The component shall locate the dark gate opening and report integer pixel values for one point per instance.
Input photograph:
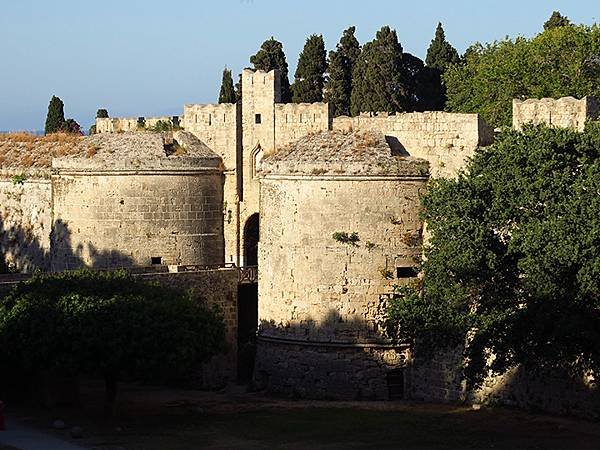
(395, 382)
(251, 233)
(246, 331)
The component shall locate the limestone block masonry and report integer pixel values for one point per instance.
(565, 112)
(117, 209)
(322, 299)
(25, 223)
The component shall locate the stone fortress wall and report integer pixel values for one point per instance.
(123, 124)
(444, 139)
(565, 112)
(106, 220)
(242, 135)
(25, 222)
(321, 300)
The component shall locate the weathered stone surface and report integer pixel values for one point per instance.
(321, 299)
(565, 112)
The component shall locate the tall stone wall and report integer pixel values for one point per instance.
(446, 140)
(565, 112)
(125, 219)
(217, 126)
(295, 120)
(25, 223)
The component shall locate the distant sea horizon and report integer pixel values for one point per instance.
(36, 132)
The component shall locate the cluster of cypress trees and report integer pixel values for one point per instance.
(378, 76)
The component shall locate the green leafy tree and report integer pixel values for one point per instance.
(227, 93)
(310, 72)
(513, 266)
(377, 82)
(106, 324)
(270, 56)
(102, 114)
(338, 87)
(561, 61)
(56, 116)
(556, 20)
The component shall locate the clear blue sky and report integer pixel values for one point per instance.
(147, 57)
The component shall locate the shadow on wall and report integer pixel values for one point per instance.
(21, 251)
(396, 146)
(332, 358)
(440, 379)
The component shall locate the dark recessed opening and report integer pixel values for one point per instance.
(395, 382)
(406, 272)
(156, 260)
(257, 118)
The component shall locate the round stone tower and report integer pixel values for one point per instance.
(339, 228)
(136, 199)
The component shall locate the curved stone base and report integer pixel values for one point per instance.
(328, 370)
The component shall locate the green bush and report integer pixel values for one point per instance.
(106, 324)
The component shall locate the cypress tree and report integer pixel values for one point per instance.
(310, 72)
(238, 89)
(556, 20)
(338, 87)
(377, 79)
(227, 94)
(56, 116)
(440, 53)
(102, 114)
(270, 56)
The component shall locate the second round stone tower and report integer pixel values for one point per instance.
(340, 227)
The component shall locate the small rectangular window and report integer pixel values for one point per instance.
(406, 272)
(210, 119)
(156, 260)
(257, 118)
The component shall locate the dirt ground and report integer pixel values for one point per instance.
(172, 419)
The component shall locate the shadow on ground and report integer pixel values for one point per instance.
(153, 419)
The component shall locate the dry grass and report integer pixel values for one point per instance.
(26, 150)
(91, 150)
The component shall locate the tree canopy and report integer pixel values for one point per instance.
(55, 119)
(440, 53)
(513, 266)
(556, 20)
(102, 113)
(270, 56)
(310, 72)
(227, 93)
(377, 82)
(338, 87)
(106, 324)
(561, 61)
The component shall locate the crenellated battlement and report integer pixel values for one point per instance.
(565, 112)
